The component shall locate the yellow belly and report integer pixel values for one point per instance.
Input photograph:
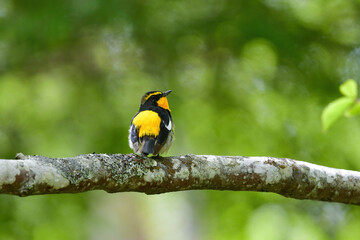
(148, 123)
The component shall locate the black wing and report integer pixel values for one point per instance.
(134, 134)
(164, 133)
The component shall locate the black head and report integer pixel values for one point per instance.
(155, 98)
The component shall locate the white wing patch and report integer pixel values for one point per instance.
(168, 126)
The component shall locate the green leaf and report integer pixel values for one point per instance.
(349, 89)
(334, 110)
(354, 110)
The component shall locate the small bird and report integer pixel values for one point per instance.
(152, 128)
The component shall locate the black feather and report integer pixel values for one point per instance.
(164, 132)
(148, 144)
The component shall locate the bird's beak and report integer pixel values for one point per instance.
(166, 93)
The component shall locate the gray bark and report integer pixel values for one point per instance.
(30, 175)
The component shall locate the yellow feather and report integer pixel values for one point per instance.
(152, 94)
(162, 102)
(148, 123)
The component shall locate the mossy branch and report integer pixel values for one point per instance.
(30, 175)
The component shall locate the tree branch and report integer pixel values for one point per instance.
(32, 175)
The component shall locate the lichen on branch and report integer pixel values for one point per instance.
(30, 175)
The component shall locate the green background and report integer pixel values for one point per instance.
(248, 78)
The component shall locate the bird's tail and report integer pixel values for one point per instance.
(148, 144)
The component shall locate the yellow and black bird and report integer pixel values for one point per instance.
(152, 128)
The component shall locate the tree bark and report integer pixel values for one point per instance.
(31, 175)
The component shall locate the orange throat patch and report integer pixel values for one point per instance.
(162, 102)
(148, 123)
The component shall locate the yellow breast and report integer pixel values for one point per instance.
(148, 123)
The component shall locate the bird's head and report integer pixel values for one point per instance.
(156, 98)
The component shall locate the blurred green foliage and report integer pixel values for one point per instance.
(248, 78)
(347, 105)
